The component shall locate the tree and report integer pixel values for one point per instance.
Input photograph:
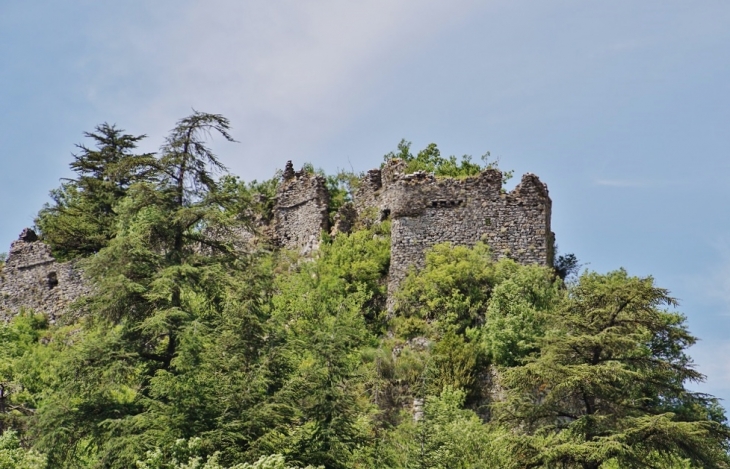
(447, 436)
(609, 384)
(323, 315)
(14, 456)
(185, 458)
(81, 220)
(27, 367)
(158, 284)
(453, 290)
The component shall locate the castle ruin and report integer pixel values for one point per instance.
(33, 280)
(424, 210)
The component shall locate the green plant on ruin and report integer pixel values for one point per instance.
(430, 160)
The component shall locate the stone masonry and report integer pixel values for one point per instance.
(426, 210)
(32, 279)
(301, 210)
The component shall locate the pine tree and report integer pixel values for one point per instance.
(609, 384)
(159, 284)
(81, 220)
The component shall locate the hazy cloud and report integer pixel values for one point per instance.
(288, 74)
(638, 183)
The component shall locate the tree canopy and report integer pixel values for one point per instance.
(81, 220)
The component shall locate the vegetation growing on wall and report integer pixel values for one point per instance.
(430, 160)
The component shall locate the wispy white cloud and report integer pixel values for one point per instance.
(288, 74)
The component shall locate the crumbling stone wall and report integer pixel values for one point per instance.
(301, 210)
(32, 279)
(426, 210)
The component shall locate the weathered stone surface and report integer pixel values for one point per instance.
(426, 210)
(301, 210)
(32, 279)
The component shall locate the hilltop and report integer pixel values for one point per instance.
(166, 314)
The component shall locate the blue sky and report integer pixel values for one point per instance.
(622, 108)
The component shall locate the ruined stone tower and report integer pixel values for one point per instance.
(426, 210)
(301, 210)
(32, 279)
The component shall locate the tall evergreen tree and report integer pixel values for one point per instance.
(609, 384)
(81, 219)
(157, 284)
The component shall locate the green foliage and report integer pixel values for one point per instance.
(252, 200)
(448, 437)
(81, 220)
(325, 311)
(516, 312)
(461, 288)
(476, 311)
(185, 455)
(14, 456)
(198, 355)
(28, 366)
(452, 290)
(455, 361)
(341, 187)
(157, 282)
(608, 383)
(430, 160)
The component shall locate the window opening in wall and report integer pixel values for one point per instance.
(447, 203)
(52, 280)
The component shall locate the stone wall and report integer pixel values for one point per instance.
(301, 210)
(426, 210)
(32, 279)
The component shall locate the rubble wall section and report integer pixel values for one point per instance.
(301, 210)
(426, 211)
(32, 279)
